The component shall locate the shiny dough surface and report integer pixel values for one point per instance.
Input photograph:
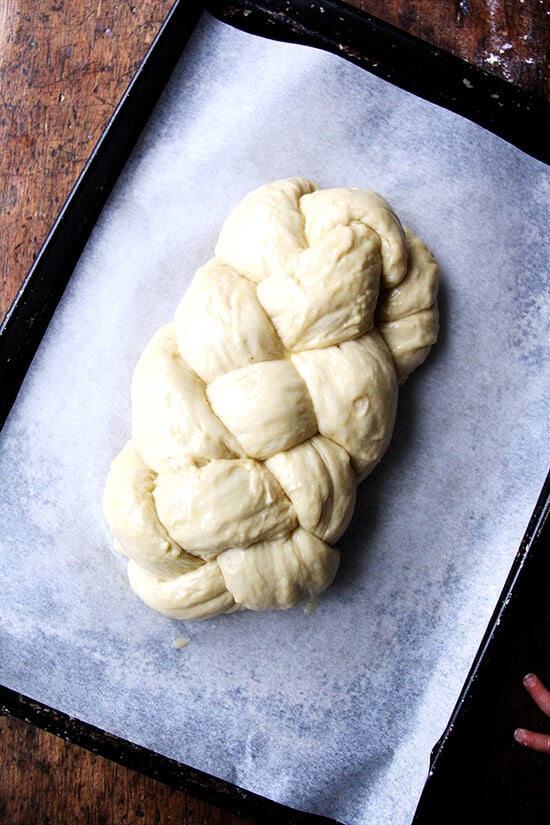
(267, 399)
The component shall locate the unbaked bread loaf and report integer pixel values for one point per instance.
(272, 393)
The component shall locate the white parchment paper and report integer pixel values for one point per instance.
(333, 712)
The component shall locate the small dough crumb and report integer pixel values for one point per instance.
(181, 642)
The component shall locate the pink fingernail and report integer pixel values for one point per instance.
(519, 736)
(529, 680)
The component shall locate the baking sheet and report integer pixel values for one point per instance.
(333, 712)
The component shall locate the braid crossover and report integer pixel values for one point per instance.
(268, 398)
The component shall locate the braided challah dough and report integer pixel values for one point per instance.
(273, 392)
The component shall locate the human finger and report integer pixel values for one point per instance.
(535, 741)
(538, 692)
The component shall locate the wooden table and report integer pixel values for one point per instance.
(63, 69)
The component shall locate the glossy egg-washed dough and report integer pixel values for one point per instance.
(272, 393)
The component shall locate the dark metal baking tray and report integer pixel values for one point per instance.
(475, 775)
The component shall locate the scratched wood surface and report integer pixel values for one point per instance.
(63, 68)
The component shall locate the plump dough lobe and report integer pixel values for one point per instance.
(207, 509)
(354, 391)
(172, 422)
(130, 509)
(279, 574)
(220, 324)
(266, 406)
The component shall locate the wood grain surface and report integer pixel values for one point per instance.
(63, 68)
(507, 39)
